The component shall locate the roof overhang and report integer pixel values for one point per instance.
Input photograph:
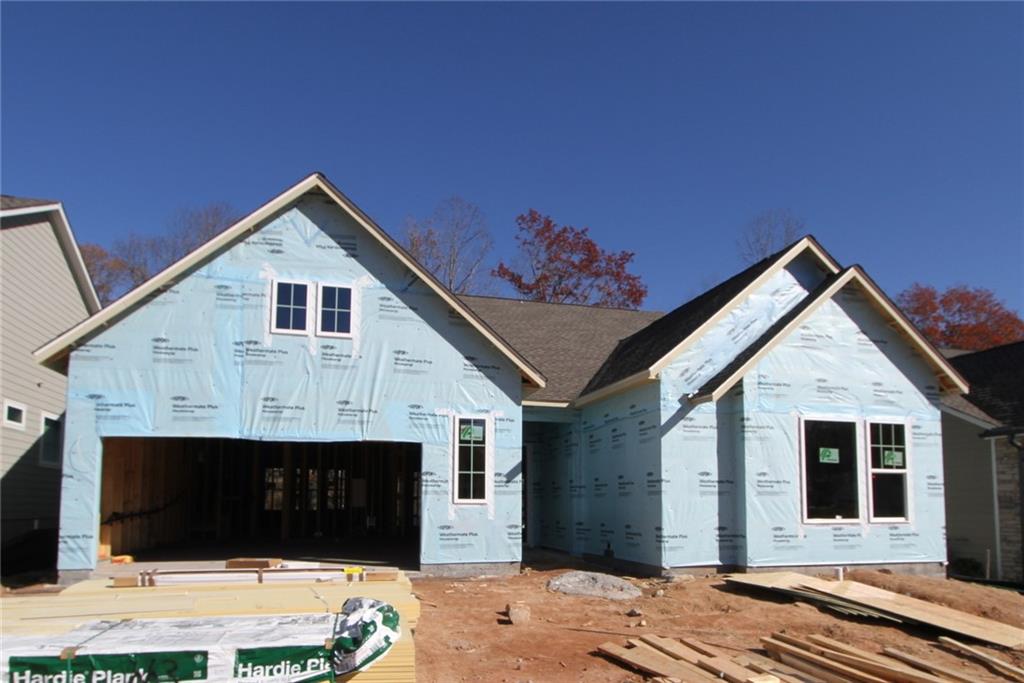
(949, 378)
(53, 351)
(66, 239)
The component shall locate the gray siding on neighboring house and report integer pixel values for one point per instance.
(970, 508)
(39, 298)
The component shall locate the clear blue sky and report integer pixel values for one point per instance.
(895, 130)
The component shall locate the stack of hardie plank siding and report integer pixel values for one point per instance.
(858, 599)
(55, 618)
(811, 659)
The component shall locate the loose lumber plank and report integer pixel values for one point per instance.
(718, 665)
(928, 665)
(785, 674)
(817, 673)
(994, 663)
(924, 612)
(697, 673)
(647, 660)
(842, 671)
(881, 665)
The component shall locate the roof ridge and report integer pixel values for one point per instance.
(557, 303)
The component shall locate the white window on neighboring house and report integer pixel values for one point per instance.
(887, 453)
(830, 471)
(470, 460)
(290, 306)
(50, 441)
(334, 311)
(15, 414)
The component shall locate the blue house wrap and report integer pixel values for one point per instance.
(715, 435)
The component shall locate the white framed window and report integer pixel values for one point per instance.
(335, 310)
(830, 470)
(51, 429)
(888, 491)
(15, 414)
(290, 306)
(471, 461)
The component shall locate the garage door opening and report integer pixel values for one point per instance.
(208, 499)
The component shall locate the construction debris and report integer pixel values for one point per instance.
(994, 663)
(858, 599)
(594, 584)
(518, 613)
(685, 660)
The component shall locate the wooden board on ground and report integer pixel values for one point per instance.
(994, 663)
(647, 660)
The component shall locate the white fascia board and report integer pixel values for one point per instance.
(546, 404)
(793, 324)
(807, 243)
(959, 414)
(167, 277)
(25, 210)
(623, 384)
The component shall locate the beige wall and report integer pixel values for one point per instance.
(38, 299)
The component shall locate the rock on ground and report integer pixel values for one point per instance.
(594, 584)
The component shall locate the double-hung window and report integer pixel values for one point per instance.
(290, 307)
(470, 460)
(335, 311)
(888, 468)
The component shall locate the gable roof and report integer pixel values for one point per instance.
(11, 207)
(316, 182)
(10, 202)
(717, 386)
(644, 354)
(997, 381)
(566, 342)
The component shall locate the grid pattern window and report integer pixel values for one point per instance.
(830, 470)
(50, 441)
(888, 453)
(335, 311)
(291, 303)
(471, 460)
(14, 414)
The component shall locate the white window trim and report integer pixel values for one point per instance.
(488, 461)
(24, 414)
(42, 432)
(352, 310)
(858, 428)
(310, 303)
(905, 471)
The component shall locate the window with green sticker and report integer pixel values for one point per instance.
(471, 459)
(830, 470)
(888, 446)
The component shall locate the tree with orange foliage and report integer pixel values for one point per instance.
(962, 317)
(562, 264)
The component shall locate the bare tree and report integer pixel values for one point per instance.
(452, 243)
(135, 258)
(768, 232)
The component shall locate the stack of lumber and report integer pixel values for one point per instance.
(858, 599)
(825, 659)
(97, 599)
(695, 662)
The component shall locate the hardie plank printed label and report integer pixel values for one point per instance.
(111, 668)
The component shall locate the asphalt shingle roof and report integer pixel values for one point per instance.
(996, 377)
(11, 202)
(566, 342)
(649, 345)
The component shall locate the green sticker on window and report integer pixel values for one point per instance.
(892, 458)
(471, 432)
(828, 455)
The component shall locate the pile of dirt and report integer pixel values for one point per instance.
(465, 635)
(594, 584)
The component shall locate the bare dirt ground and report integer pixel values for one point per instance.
(463, 634)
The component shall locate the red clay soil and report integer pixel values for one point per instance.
(463, 634)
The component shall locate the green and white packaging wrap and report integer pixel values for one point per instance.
(367, 629)
(303, 648)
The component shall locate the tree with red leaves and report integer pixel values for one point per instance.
(562, 264)
(962, 317)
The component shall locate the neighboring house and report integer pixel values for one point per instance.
(44, 290)
(300, 376)
(983, 439)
